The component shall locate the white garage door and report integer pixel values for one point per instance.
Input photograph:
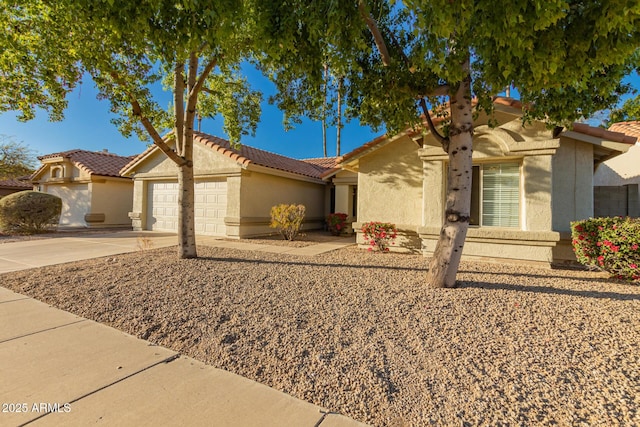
(210, 206)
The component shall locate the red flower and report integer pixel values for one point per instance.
(634, 247)
(601, 259)
(633, 266)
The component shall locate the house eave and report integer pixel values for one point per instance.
(252, 167)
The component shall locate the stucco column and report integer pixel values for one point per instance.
(137, 214)
(343, 200)
(433, 169)
(537, 210)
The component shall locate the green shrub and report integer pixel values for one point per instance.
(378, 235)
(337, 222)
(29, 212)
(287, 219)
(609, 244)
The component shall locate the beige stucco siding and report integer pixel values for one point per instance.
(390, 185)
(76, 202)
(621, 170)
(114, 199)
(259, 192)
(572, 183)
(205, 162)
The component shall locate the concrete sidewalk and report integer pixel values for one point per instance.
(60, 369)
(58, 250)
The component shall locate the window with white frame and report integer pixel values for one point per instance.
(495, 195)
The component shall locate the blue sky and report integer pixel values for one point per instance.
(87, 125)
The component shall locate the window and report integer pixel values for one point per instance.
(495, 195)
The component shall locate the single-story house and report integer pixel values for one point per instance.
(89, 183)
(234, 188)
(617, 181)
(529, 183)
(13, 185)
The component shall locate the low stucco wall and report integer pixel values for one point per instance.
(534, 247)
(111, 200)
(258, 192)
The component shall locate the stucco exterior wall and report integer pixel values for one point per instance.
(260, 191)
(76, 202)
(572, 184)
(205, 162)
(390, 184)
(111, 202)
(621, 170)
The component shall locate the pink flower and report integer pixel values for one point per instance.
(633, 266)
(634, 247)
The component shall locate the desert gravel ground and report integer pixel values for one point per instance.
(359, 333)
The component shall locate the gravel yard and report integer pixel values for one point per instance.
(360, 334)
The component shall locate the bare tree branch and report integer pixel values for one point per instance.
(442, 90)
(178, 101)
(205, 73)
(151, 130)
(375, 32)
(441, 139)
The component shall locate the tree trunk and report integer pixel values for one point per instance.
(324, 110)
(186, 218)
(443, 267)
(339, 122)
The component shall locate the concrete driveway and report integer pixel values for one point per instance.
(57, 250)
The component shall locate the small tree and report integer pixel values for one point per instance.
(29, 212)
(287, 219)
(16, 159)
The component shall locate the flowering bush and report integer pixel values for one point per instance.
(378, 235)
(337, 222)
(609, 244)
(287, 219)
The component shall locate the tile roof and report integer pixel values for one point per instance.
(93, 162)
(323, 162)
(628, 128)
(20, 182)
(247, 155)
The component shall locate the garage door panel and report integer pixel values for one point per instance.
(210, 206)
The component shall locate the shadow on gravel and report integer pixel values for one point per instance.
(310, 264)
(547, 276)
(551, 290)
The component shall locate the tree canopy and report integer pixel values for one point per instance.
(627, 112)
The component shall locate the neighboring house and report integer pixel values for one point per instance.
(89, 183)
(529, 184)
(13, 185)
(617, 180)
(234, 189)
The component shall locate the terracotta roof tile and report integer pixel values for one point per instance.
(246, 155)
(323, 162)
(94, 162)
(598, 132)
(628, 128)
(21, 182)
